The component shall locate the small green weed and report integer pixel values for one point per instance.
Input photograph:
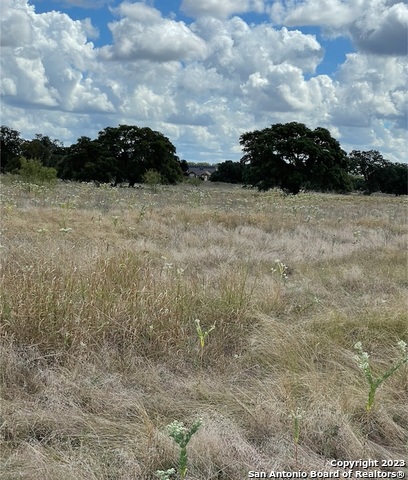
(281, 270)
(296, 417)
(181, 435)
(363, 362)
(202, 335)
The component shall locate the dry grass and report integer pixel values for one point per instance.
(100, 288)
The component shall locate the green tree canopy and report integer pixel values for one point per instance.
(395, 179)
(292, 156)
(379, 174)
(44, 149)
(86, 161)
(229, 171)
(10, 149)
(137, 150)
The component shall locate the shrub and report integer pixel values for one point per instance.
(152, 178)
(32, 171)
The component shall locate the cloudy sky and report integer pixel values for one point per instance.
(203, 72)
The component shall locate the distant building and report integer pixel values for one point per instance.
(204, 173)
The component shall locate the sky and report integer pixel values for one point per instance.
(203, 72)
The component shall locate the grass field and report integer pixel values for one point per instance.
(100, 292)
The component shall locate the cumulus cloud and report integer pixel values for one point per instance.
(48, 67)
(375, 26)
(15, 24)
(383, 31)
(379, 136)
(142, 33)
(146, 104)
(284, 89)
(197, 79)
(371, 88)
(222, 10)
(331, 13)
(239, 49)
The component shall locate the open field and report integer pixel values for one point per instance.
(100, 290)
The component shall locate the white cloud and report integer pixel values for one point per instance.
(284, 89)
(379, 136)
(333, 13)
(371, 88)
(239, 49)
(382, 30)
(220, 9)
(15, 24)
(142, 33)
(49, 66)
(52, 122)
(90, 31)
(375, 26)
(196, 79)
(145, 104)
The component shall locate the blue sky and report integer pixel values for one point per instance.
(203, 71)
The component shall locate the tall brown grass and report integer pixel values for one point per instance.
(100, 290)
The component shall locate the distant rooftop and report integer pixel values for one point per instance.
(201, 170)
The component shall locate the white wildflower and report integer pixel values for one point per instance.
(403, 347)
(362, 358)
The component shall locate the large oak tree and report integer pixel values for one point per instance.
(138, 150)
(292, 156)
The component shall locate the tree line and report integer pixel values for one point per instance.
(293, 157)
(288, 156)
(121, 154)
